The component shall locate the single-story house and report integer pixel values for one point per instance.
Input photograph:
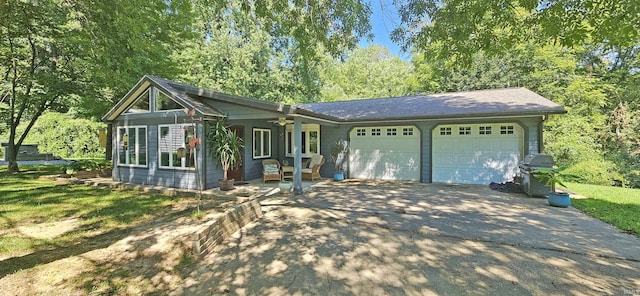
(473, 137)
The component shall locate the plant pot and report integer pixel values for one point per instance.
(559, 199)
(285, 186)
(226, 185)
(338, 176)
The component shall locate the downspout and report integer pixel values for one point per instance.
(540, 135)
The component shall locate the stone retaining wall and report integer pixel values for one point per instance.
(216, 231)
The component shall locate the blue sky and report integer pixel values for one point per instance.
(383, 20)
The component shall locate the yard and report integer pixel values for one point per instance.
(617, 206)
(95, 238)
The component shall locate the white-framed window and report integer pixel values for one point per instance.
(165, 103)
(142, 103)
(261, 143)
(464, 130)
(132, 145)
(407, 131)
(361, 132)
(173, 146)
(445, 131)
(484, 130)
(506, 130)
(310, 140)
(392, 131)
(375, 131)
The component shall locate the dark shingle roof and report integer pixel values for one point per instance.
(495, 102)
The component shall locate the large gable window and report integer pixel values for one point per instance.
(141, 105)
(261, 143)
(132, 145)
(164, 102)
(173, 146)
(310, 140)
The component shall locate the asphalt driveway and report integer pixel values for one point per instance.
(377, 238)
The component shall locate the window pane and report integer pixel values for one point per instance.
(165, 146)
(304, 142)
(313, 142)
(257, 143)
(289, 143)
(266, 143)
(123, 145)
(142, 146)
(190, 158)
(132, 145)
(163, 102)
(164, 158)
(141, 105)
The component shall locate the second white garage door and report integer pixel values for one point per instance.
(385, 153)
(476, 153)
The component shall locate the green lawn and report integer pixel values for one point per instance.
(614, 205)
(27, 201)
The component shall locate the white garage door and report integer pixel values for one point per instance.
(476, 153)
(385, 153)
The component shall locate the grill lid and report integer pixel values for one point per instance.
(538, 160)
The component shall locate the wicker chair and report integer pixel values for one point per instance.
(271, 170)
(312, 172)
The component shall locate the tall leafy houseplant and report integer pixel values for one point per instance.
(226, 147)
(551, 177)
(338, 156)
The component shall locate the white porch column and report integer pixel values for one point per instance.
(297, 155)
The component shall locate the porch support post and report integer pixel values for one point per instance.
(297, 155)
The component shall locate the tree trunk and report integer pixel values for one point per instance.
(12, 157)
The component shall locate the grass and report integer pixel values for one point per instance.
(28, 201)
(617, 206)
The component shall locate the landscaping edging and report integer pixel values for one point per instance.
(216, 231)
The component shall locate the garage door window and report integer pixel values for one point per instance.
(445, 131)
(465, 130)
(375, 131)
(485, 130)
(407, 131)
(361, 132)
(506, 130)
(391, 132)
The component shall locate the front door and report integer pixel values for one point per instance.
(236, 173)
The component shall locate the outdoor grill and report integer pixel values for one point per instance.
(532, 185)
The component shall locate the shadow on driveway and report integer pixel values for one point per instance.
(377, 238)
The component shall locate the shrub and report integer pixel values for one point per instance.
(596, 171)
(87, 165)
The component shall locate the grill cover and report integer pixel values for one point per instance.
(533, 161)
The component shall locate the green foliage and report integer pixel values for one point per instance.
(87, 165)
(463, 28)
(553, 177)
(338, 154)
(67, 137)
(224, 145)
(370, 72)
(596, 171)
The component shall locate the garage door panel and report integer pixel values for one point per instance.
(476, 158)
(383, 156)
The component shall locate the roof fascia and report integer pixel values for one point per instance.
(132, 94)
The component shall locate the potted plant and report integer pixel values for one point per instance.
(551, 177)
(225, 147)
(338, 156)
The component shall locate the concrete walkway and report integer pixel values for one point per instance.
(419, 239)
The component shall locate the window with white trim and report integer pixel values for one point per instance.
(310, 140)
(506, 130)
(445, 131)
(484, 130)
(375, 131)
(141, 104)
(361, 132)
(261, 143)
(173, 146)
(464, 130)
(132, 145)
(392, 131)
(407, 131)
(164, 102)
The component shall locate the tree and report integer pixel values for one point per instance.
(462, 27)
(367, 72)
(56, 54)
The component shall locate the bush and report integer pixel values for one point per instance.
(87, 165)
(597, 172)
